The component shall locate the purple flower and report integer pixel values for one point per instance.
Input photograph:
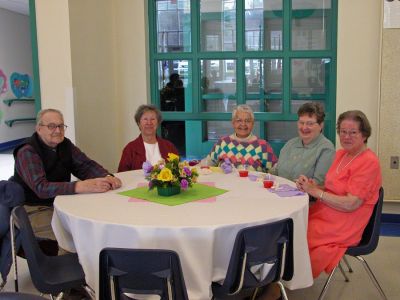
(187, 171)
(184, 184)
(226, 166)
(147, 168)
(150, 184)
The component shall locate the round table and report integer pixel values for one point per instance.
(201, 232)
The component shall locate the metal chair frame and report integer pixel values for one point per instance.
(13, 247)
(371, 241)
(74, 274)
(285, 271)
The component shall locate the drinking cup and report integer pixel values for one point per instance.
(243, 173)
(268, 184)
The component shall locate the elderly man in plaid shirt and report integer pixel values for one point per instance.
(45, 161)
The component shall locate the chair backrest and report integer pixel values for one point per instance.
(127, 273)
(370, 237)
(33, 253)
(19, 296)
(11, 195)
(261, 254)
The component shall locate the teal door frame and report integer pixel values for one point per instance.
(35, 56)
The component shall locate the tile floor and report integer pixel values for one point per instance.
(384, 262)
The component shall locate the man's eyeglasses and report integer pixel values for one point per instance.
(53, 126)
(246, 121)
(308, 123)
(351, 133)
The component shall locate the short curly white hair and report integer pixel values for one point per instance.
(243, 108)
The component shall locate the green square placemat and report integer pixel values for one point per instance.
(197, 192)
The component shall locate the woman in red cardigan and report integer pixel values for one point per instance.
(147, 146)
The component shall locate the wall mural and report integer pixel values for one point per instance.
(3, 82)
(21, 85)
(3, 87)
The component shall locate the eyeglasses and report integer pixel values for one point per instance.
(350, 133)
(246, 121)
(53, 126)
(308, 123)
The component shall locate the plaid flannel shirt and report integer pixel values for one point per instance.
(29, 166)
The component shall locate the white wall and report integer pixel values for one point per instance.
(15, 56)
(54, 51)
(358, 57)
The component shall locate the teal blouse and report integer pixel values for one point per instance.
(312, 160)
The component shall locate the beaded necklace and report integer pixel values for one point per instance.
(341, 161)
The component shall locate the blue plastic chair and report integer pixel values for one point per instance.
(367, 245)
(50, 274)
(260, 255)
(129, 273)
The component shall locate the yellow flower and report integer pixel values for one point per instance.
(172, 156)
(165, 175)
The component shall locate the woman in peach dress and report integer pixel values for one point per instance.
(345, 204)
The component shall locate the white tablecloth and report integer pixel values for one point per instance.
(201, 232)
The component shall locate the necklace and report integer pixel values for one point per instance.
(341, 161)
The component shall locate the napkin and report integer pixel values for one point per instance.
(285, 190)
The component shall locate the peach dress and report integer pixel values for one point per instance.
(331, 232)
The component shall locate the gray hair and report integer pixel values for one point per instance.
(145, 108)
(243, 108)
(42, 112)
(359, 117)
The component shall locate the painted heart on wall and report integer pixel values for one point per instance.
(3, 82)
(21, 85)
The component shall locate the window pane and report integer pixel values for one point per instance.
(173, 80)
(264, 84)
(173, 26)
(311, 21)
(174, 131)
(295, 104)
(280, 131)
(263, 25)
(218, 85)
(218, 129)
(218, 25)
(310, 78)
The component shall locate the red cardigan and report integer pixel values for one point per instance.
(134, 154)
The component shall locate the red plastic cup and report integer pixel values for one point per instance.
(268, 184)
(243, 173)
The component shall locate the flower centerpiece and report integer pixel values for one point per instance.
(170, 176)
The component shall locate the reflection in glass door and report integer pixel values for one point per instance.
(207, 56)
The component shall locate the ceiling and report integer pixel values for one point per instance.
(18, 6)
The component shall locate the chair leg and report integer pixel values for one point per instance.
(347, 264)
(343, 273)
(13, 253)
(254, 295)
(371, 275)
(2, 285)
(283, 292)
(328, 281)
(90, 291)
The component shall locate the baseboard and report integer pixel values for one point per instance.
(10, 144)
(390, 225)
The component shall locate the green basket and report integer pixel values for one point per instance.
(168, 191)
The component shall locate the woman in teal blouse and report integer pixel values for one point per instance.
(311, 153)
